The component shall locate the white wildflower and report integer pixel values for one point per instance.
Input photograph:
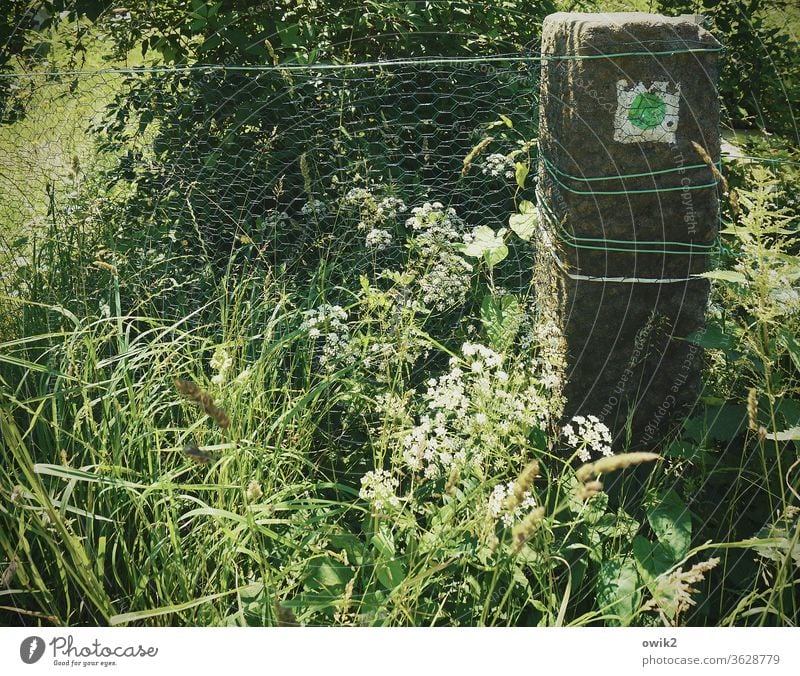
(329, 322)
(378, 239)
(497, 165)
(221, 362)
(390, 207)
(591, 435)
(498, 500)
(314, 207)
(378, 488)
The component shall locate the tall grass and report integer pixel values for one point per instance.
(375, 440)
(108, 517)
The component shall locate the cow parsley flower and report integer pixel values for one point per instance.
(390, 207)
(445, 275)
(378, 488)
(328, 323)
(587, 433)
(314, 207)
(473, 409)
(378, 239)
(499, 499)
(497, 165)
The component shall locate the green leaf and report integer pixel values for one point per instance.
(501, 318)
(328, 574)
(713, 337)
(789, 409)
(726, 422)
(521, 173)
(352, 546)
(390, 572)
(725, 276)
(653, 560)
(251, 592)
(618, 590)
(595, 508)
(620, 525)
(792, 346)
(140, 615)
(524, 225)
(687, 450)
(383, 543)
(507, 121)
(671, 522)
(488, 245)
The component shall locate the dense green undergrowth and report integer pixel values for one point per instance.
(362, 425)
(386, 451)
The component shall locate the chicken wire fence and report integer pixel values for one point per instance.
(220, 159)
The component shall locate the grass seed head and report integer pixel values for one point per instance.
(477, 150)
(752, 409)
(197, 454)
(588, 490)
(9, 573)
(254, 491)
(527, 527)
(199, 396)
(522, 485)
(613, 463)
(452, 480)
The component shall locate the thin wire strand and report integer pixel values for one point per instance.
(367, 64)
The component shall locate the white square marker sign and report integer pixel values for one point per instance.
(646, 112)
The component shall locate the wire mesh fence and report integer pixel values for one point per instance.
(191, 165)
(211, 159)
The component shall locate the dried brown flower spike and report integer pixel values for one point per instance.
(199, 396)
(200, 456)
(285, 616)
(477, 150)
(752, 409)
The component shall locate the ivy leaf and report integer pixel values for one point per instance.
(488, 245)
(524, 223)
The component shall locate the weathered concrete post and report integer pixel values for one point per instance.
(628, 208)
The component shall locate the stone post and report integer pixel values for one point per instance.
(628, 209)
